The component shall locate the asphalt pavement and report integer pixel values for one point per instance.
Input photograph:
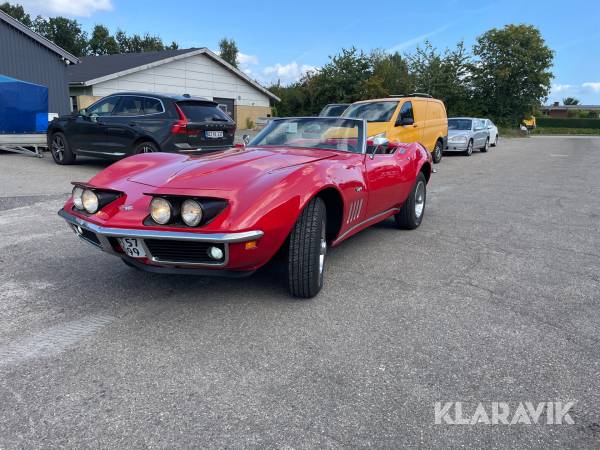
(495, 298)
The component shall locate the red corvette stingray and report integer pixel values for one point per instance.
(302, 184)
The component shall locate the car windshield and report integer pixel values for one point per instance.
(313, 132)
(372, 111)
(459, 124)
(333, 110)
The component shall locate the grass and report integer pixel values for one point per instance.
(567, 131)
(510, 132)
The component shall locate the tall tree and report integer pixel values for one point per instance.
(512, 71)
(570, 101)
(229, 51)
(17, 12)
(102, 43)
(66, 33)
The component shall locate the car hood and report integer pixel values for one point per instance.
(226, 170)
(458, 133)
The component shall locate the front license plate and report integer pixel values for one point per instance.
(133, 247)
(214, 134)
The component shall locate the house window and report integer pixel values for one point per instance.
(73, 104)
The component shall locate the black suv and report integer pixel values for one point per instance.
(128, 123)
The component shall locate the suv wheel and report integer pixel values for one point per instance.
(61, 150)
(146, 147)
(307, 250)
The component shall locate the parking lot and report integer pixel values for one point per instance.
(494, 298)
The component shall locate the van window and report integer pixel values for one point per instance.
(406, 112)
(372, 111)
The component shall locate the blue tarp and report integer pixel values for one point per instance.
(23, 106)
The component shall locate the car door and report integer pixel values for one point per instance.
(388, 178)
(120, 133)
(86, 132)
(479, 133)
(406, 126)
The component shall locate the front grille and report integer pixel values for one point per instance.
(182, 251)
(87, 235)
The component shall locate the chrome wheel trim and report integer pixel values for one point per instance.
(146, 148)
(470, 148)
(438, 150)
(58, 147)
(487, 144)
(419, 199)
(322, 249)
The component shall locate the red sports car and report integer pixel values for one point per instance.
(302, 185)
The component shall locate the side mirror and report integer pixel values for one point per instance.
(246, 139)
(83, 112)
(377, 144)
(94, 117)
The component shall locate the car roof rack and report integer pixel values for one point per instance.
(414, 94)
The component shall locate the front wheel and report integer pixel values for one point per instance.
(307, 250)
(437, 152)
(145, 147)
(413, 209)
(61, 150)
(469, 150)
(495, 143)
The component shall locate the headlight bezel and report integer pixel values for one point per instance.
(189, 202)
(211, 207)
(76, 194)
(104, 197)
(93, 197)
(167, 206)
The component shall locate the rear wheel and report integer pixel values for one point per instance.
(307, 250)
(61, 150)
(486, 147)
(413, 209)
(495, 143)
(146, 147)
(437, 151)
(469, 150)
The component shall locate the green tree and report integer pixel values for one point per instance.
(102, 43)
(570, 101)
(229, 51)
(511, 74)
(66, 33)
(17, 12)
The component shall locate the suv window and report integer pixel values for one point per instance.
(152, 105)
(104, 107)
(203, 112)
(129, 106)
(406, 112)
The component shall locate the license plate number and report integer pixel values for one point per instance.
(132, 247)
(214, 134)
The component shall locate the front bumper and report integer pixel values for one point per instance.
(456, 146)
(105, 238)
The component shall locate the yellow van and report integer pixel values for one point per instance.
(411, 118)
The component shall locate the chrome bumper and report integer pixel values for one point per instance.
(82, 228)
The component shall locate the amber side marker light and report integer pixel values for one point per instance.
(251, 245)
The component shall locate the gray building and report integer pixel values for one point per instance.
(27, 56)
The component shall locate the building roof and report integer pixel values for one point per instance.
(96, 69)
(38, 38)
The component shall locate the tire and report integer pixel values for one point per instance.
(437, 152)
(486, 147)
(413, 209)
(61, 150)
(145, 147)
(469, 150)
(495, 143)
(307, 249)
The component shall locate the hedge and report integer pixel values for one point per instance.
(559, 122)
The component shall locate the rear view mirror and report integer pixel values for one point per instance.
(377, 143)
(246, 139)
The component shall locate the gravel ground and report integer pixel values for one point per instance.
(494, 298)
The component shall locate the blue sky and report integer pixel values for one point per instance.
(280, 39)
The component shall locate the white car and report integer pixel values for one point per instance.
(493, 130)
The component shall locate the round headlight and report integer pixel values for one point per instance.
(89, 201)
(191, 212)
(160, 210)
(76, 194)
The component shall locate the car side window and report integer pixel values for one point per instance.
(104, 107)
(129, 106)
(151, 106)
(406, 112)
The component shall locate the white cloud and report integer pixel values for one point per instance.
(592, 85)
(288, 72)
(69, 8)
(414, 41)
(558, 88)
(247, 59)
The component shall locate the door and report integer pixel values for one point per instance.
(388, 180)
(481, 133)
(86, 132)
(227, 105)
(406, 126)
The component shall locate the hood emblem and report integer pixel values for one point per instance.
(126, 208)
